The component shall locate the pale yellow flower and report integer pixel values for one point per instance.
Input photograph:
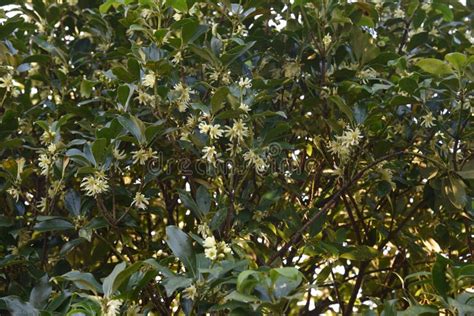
(351, 137)
(6, 82)
(149, 80)
(215, 131)
(142, 155)
(244, 107)
(95, 184)
(238, 130)
(190, 292)
(44, 162)
(245, 83)
(210, 154)
(428, 120)
(327, 40)
(209, 242)
(140, 201)
(211, 253)
(183, 96)
(252, 158)
(118, 154)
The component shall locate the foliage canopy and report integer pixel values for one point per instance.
(246, 158)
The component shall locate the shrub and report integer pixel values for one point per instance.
(244, 158)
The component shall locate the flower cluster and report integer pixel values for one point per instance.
(95, 184)
(342, 145)
(215, 250)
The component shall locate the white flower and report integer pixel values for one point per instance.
(178, 57)
(47, 137)
(399, 13)
(337, 148)
(238, 131)
(142, 155)
(183, 96)
(428, 120)
(95, 184)
(42, 204)
(368, 73)
(190, 292)
(52, 148)
(215, 131)
(119, 155)
(351, 137)
(209, 242)
(140, 201)
(177, 16)
(149, 80)
(234, 148)
(244, 107)
(133, 310)
(426, 7)
(211, 253)
(45, 164)
(145, 98)
(6, 82)
(204, 230)
(327, 40)
(245, 83)
(210, 154)
(253, 159)
(111, 308)
(204, 127)
(223, 247)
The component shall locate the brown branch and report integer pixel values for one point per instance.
(294, 239)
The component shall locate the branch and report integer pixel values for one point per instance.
(294, 239)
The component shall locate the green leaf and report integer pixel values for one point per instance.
(86, 88)
(206, 54)
(434, 66)
(17, 307)
(457, 60)
(455, 191)
(218, 99)
(418, 310)
(444, 10)
(40, 293)
(244, 283)
(72, 202)
(181, 246)
(360, 253)
(467, 171)
(53, 225)
(82, 280)
(99, 150)
(124, 94)
(236, 296)
(235, 53)
(203, 199)
(108, 285)
(189, 203)
(133, 69)
(173, 283)
(134, 126)
(180, 5)
(438, 274)
(343, 107)
(122, 74)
